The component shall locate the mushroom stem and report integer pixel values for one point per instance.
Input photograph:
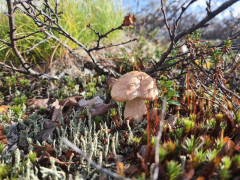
(135, 108)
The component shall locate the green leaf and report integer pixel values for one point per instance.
(174, 102)
(168, 84)
(170, 93)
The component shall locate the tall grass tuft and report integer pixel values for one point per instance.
(102, 15)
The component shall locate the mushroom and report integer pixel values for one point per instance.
(134, 88)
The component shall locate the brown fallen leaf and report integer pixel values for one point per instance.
(94, 102)
(2, 130)
(41, 149)
(227, 149)
(131, 170)
(3, 139)
(38, 103)
(44, 159)
(172, 121)
(103, 109)
(69, 102)
(189, 172)
(22, 144)
(56, 111)
(97, 104)
(3, 108)
(49, 127)
(120, 167)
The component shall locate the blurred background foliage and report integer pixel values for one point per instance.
(102, 15)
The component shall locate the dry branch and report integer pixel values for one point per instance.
(180, 35)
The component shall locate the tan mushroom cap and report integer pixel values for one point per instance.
(132, 85)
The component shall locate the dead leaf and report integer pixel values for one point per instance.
(227, 149)
(38, 103)
(44, 159)
(3, 139)
(98, 106)
(209, 169)
(22, 144)
(200, 178)
(2, 130)
(69, 102)
(49, 127)
(3, 108)
(120, 167)
(56, 111)
(96, 101)
(41, 149)
(172, 121)
(129, 20)
(103, 109)
(189, 172)
(131, 170)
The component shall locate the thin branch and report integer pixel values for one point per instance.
(13, 68)
(5, 42)
(20, 1)
(229, 91)
(28, 35)
(12, 37)
(112, 45)
(37, 44)
(202, 23)
(166, 21)
(175, 25)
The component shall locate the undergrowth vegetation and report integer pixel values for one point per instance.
(191, 130)
(199, 139)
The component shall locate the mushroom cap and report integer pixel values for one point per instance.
(132, 85)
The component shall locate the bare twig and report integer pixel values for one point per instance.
(166, 21)
(13, 68)
(101, 36)
(12, 37)
(112, 45)
(37, 44)
(5, 42)
(178, 36)
(28, 35)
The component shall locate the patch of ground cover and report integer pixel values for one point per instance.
(198, 141)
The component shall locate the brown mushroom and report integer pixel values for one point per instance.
(134, 88)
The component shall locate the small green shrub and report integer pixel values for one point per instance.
(174, 170)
